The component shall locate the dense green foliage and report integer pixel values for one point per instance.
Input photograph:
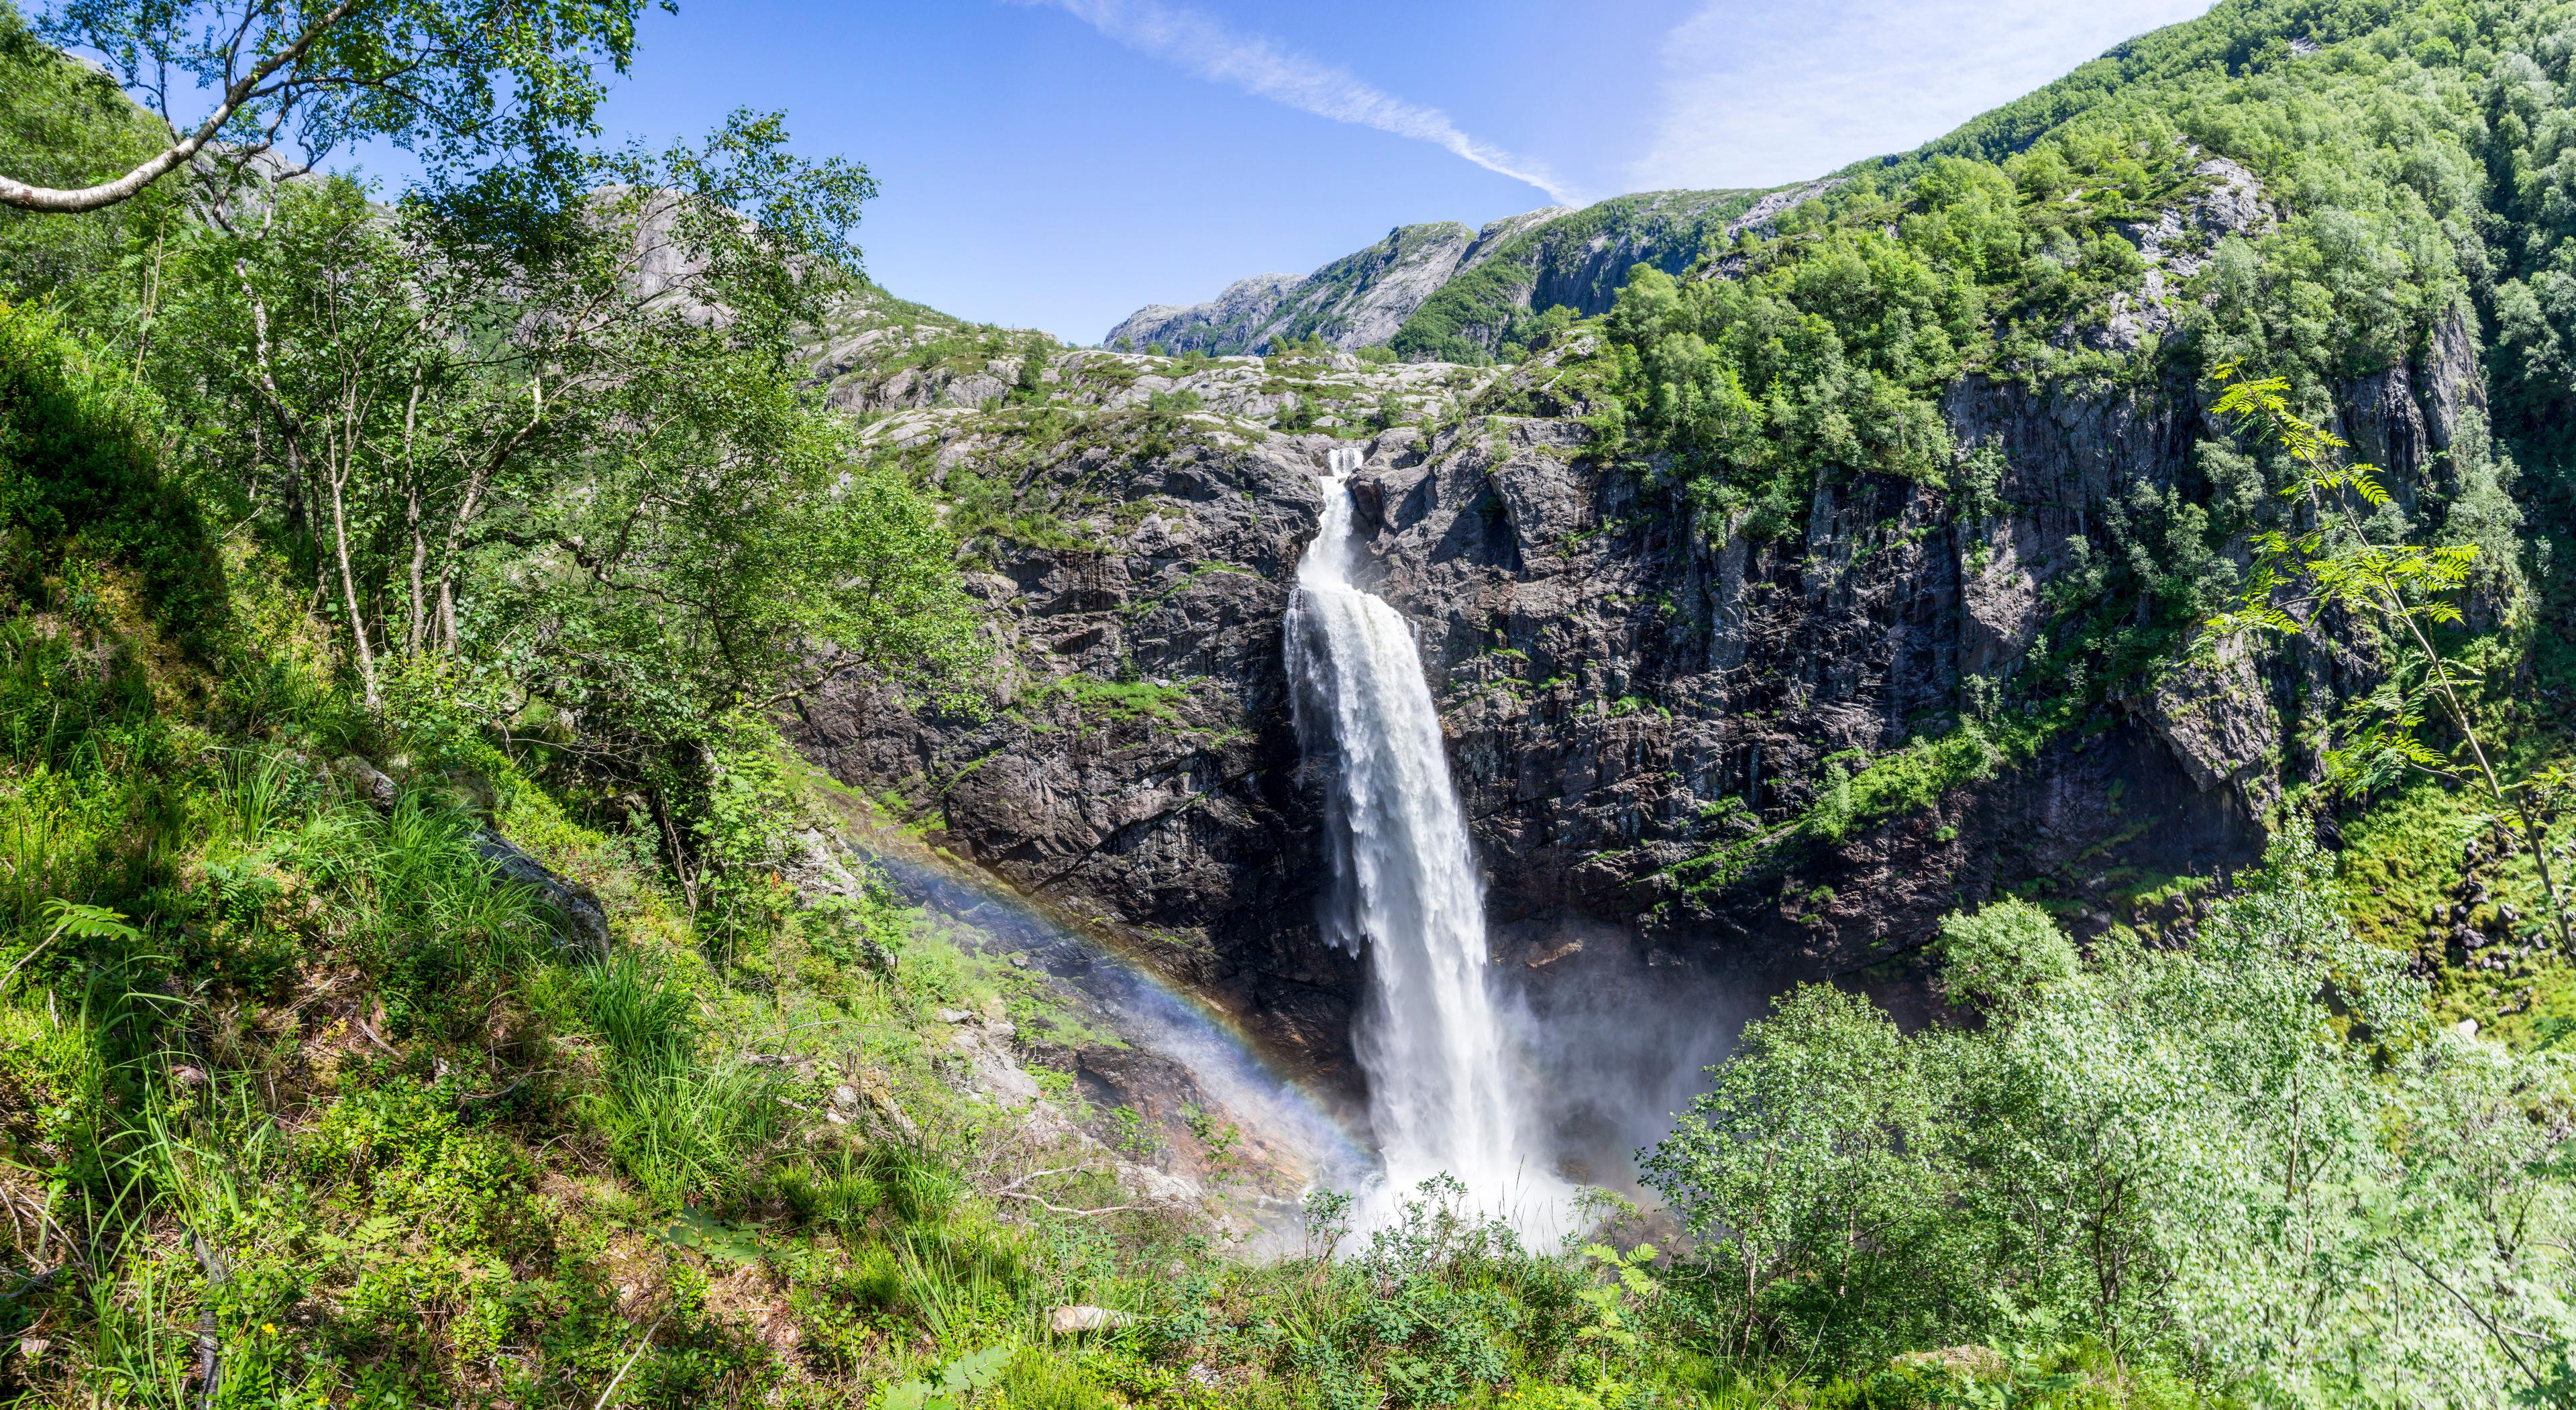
(2062, 255)
(68, 125)
(240, 91)
(533, 482)
(82, 483)
(1825, 354)
(2249, 1157)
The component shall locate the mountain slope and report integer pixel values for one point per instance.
(1822, 620)
(1356, 301)
(1578, 263)
(1441, 292)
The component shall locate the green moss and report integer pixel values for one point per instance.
(2401, 859)
(1113, 702)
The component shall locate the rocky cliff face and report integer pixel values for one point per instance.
(1357, 301)
(1241, 318)
(1645, 710)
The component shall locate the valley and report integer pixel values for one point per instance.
(1942, 785)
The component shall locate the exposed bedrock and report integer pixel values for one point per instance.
(1623, 690)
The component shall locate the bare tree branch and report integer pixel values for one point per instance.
(107, 193)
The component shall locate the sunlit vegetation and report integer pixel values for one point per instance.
(427, 980)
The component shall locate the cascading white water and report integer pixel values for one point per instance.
(1404, 888)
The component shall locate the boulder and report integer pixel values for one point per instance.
(366, 782)
(579, 919)
(1080, 1319)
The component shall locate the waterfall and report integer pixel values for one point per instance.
(1443, 1094)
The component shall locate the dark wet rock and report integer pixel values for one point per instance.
(2218, 717)
(1160, 1096)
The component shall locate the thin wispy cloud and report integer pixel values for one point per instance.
(1757, 94)
(1263, 68)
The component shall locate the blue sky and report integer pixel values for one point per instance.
(1056, 163)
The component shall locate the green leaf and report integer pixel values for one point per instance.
(975, 1370)
(694, 1229)
(88, 922)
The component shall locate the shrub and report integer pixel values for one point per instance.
(82, 485)
(2000, 956)
(403, 1154)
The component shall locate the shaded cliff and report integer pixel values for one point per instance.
(1646, 712)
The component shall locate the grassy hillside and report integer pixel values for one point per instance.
(303, 1092)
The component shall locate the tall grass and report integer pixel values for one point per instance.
(143, 1354)
(967, 1280)
(416, 905)
(637, 1010)
(256, 791)
(688, 1131)
(683, 1126)
(1036, 1381)
(45, 845)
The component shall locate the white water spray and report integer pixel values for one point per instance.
(1444, 1094)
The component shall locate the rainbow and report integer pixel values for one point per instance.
(1268, 1104)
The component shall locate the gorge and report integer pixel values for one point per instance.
(1916, 789)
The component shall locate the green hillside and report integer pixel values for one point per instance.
(1577, 262)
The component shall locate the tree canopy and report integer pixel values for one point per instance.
(269, 85)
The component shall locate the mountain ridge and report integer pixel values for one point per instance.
(1440, 291)
(1359, 300)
